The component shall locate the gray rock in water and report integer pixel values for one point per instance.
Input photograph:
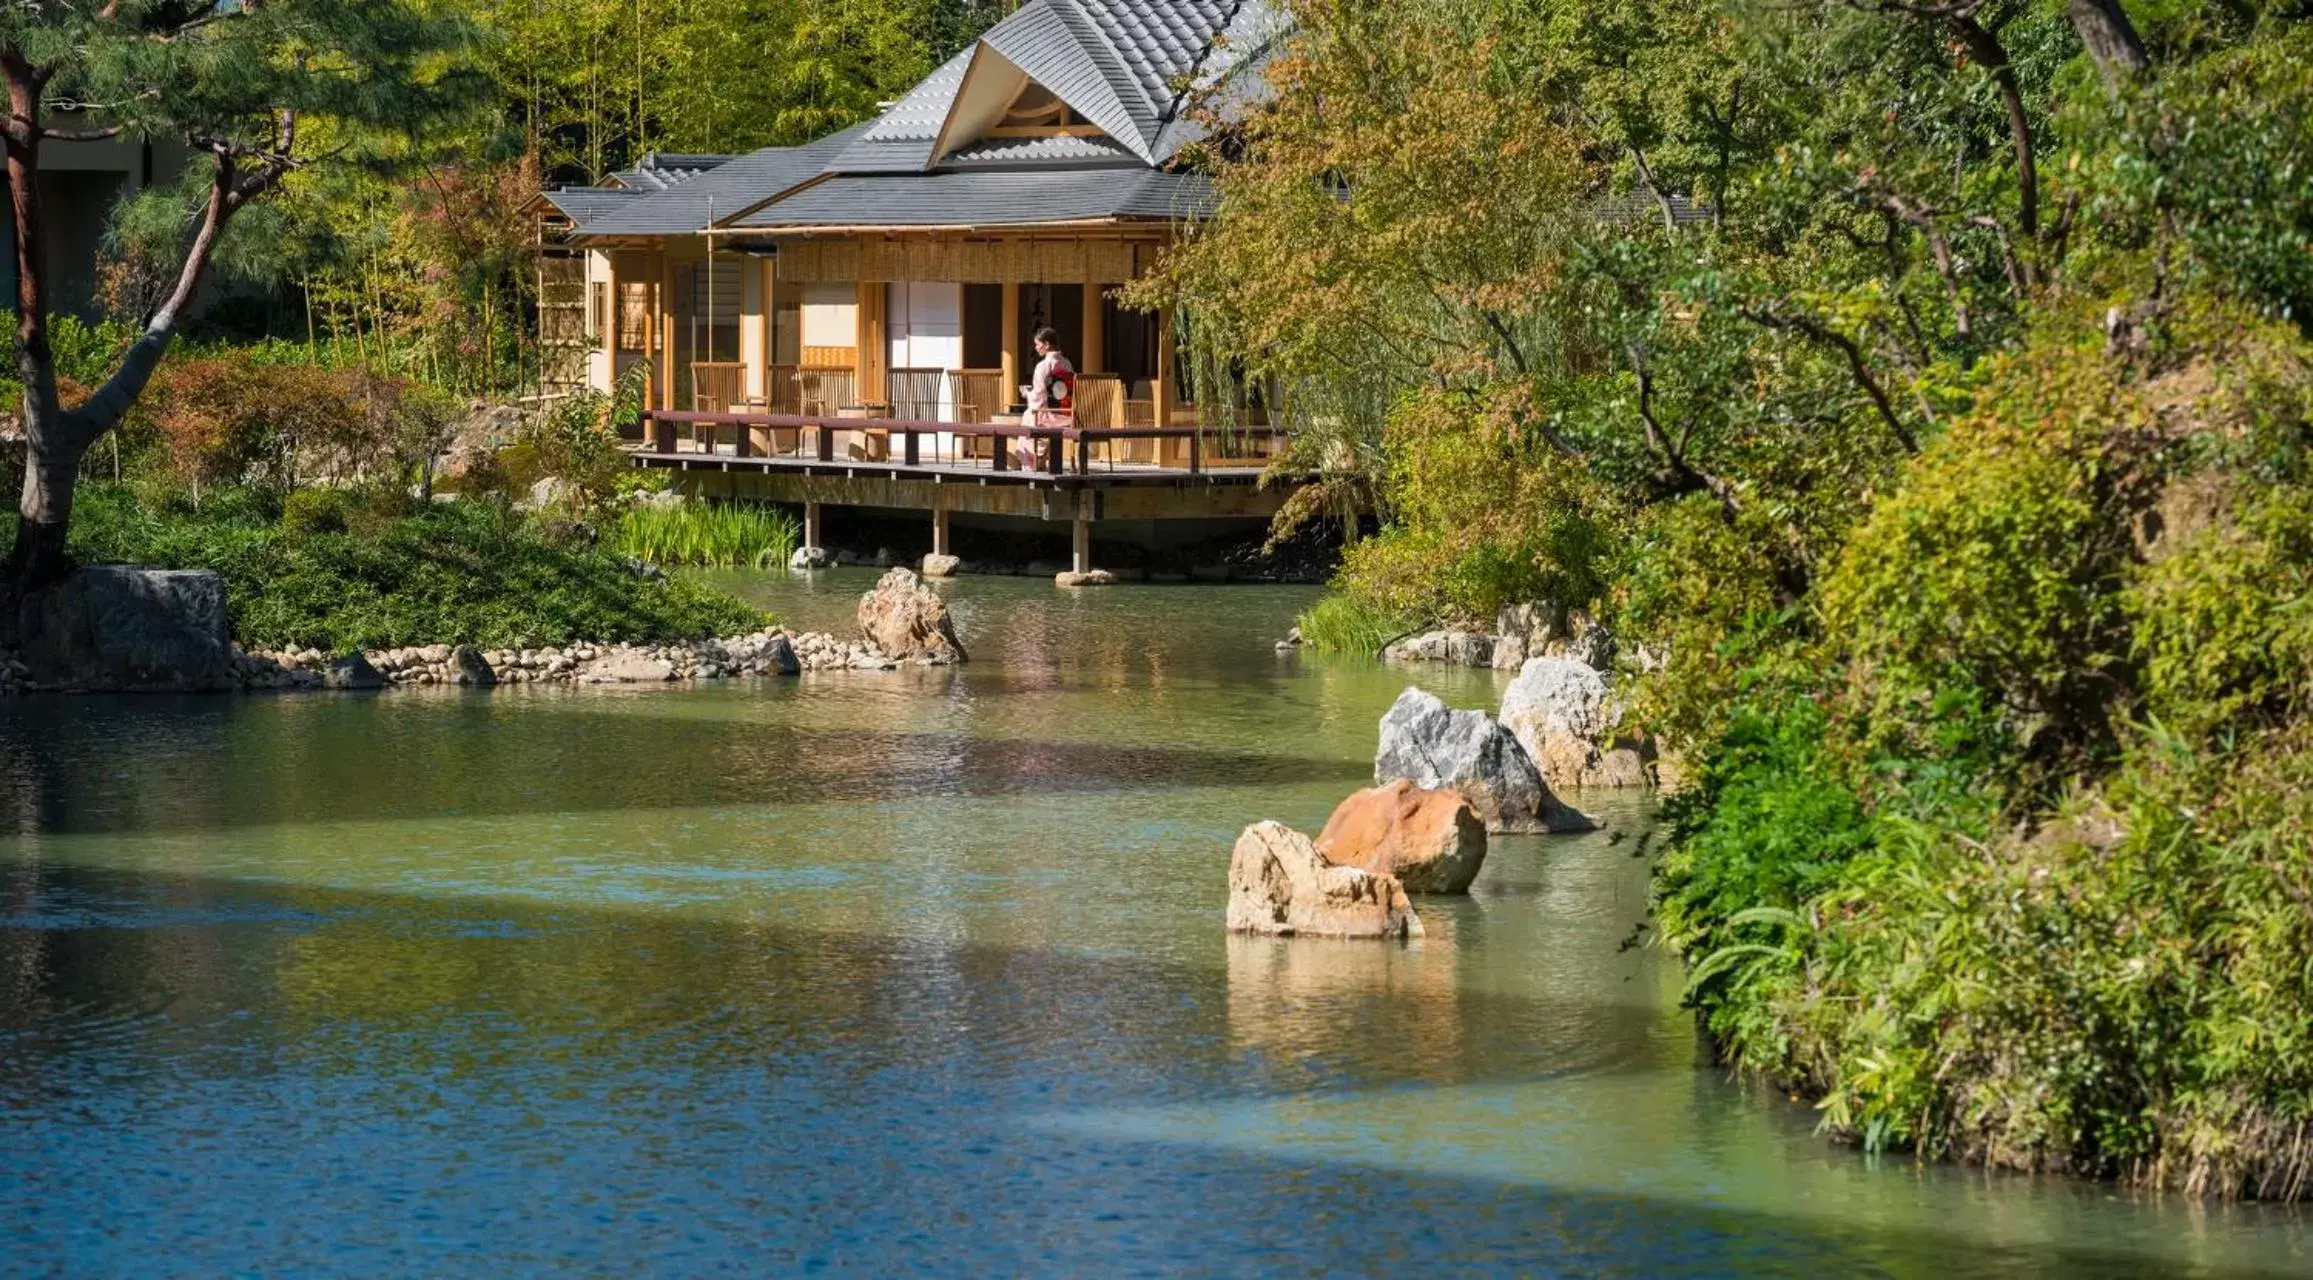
(1088, 578)
(907, 621)
(1431, 745)
(353, 671)
(473, 668)
(779, 656)
(806, 559)
(939, 566)
(115, 627)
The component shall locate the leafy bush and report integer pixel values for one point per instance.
(313, 511)
(706, 535)
(1478, 519)
(438, 574)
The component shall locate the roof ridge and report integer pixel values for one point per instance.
(1197, 65)
(1085, 21)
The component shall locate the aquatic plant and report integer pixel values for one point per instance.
(1342, 623)
(708, 535)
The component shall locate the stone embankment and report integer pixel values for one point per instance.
(114, 628)
(765, 653)
(1520, 633)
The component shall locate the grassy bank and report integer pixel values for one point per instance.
(337, 573)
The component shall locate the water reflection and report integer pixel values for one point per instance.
(909, 971)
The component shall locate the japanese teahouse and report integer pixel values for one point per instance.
(861, 307)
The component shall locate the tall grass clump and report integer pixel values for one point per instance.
(1346, 624)
(706, 535)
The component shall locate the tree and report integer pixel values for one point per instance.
(241, 85)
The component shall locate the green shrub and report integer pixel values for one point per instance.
(312, 511)
(439, 574)
(1346, 624)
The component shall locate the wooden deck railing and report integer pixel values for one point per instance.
(1059, 450)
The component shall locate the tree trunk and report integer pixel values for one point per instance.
(2110, 39)
(44, 517)
(50, 464)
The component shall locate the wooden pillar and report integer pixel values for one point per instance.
(872, 356)
(650, 347)
(1094, 357)
(940, 530)
(1081, 560)
(1164, 392)
(1012, 377)
(609, 335)
(666, 311)
(811, 524)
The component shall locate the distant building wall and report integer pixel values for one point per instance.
(80, 182)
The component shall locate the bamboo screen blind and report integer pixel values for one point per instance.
(966, 261)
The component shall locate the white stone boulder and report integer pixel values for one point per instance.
(630, 668)
(1280, 884)
(1561, 710)
(1434, 746)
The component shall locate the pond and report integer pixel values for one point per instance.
(919, 971)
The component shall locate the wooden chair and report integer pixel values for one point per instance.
(1100, 406)
(717, 387)
(822, 391)
(979, 396)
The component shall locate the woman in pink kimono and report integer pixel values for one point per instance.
(1051, 396)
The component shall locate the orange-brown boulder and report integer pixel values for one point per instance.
(1432, 840)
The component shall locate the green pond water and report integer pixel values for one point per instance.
(918, 972)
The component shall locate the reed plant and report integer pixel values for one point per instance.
(706, 535)
(1342, 623)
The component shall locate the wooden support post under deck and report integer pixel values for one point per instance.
(1011, 362)
(940, 532)
(1081, 561)
(811, 524)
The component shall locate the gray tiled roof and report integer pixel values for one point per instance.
(995, 152)
(727, 190)
(583, 205)
(990, 198)
(665, 172)
(1132, 67)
